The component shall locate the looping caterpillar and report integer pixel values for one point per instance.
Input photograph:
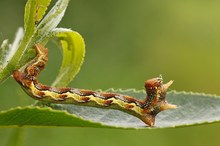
(145, 110)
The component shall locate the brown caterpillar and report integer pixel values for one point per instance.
(146, 109)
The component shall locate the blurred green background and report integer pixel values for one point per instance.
(128, 42)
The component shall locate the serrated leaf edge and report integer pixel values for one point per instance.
(194, 93)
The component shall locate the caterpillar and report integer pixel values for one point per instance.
(146, 110)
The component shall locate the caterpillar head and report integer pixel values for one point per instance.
(156, 99)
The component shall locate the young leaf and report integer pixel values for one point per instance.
(192, 110)
(7, 52)
(32, 35)
(73, 49)
(41, 7)
(51, 20)
(34, 12)
(10, 50)
(30, 10)
(3, 51)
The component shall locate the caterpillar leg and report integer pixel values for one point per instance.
(145, 110)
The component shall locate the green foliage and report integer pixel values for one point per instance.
(34, 12)
(33, 33)
(73, 47)
(192, 108)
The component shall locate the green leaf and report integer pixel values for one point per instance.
(51, 20)
(8, 50)
(30, 10)
(34, 12)
(32, 35)
(73, 50)
(193, 109)
(23, 116)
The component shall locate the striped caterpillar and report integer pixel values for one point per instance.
(145, 110)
